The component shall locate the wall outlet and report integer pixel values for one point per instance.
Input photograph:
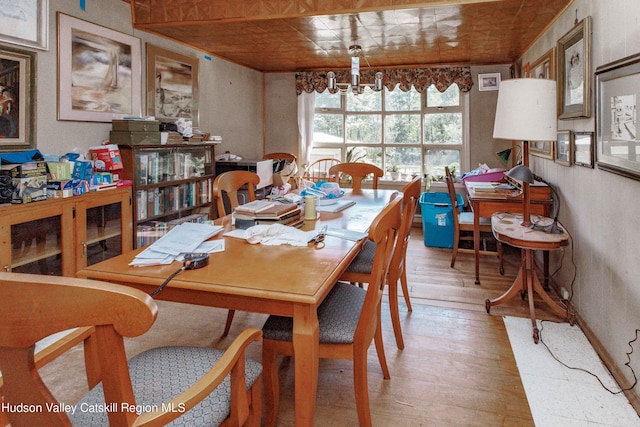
(565, 293)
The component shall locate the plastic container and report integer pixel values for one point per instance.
(437, 219)
(486, 177)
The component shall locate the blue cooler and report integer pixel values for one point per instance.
(437, 219)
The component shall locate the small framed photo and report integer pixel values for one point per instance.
(583, 152)
(25, 23)
(543, 149)
(490, 81)
(564, 148)
(574, 71)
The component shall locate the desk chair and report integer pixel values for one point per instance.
(349, 319)
(36, 306)
(360, 268)
(463, 223)
(229, 183)
(357, 172)
(319, 170)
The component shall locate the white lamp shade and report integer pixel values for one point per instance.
(526, 110)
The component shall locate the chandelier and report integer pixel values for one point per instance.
(355, 85)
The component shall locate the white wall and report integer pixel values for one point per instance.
(230, 95)
(600, 209)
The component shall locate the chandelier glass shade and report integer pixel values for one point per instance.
(354, 85)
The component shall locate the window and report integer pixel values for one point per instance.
(410, 132)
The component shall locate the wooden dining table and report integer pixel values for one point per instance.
(281, 280)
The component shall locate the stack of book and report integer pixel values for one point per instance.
(267, 212)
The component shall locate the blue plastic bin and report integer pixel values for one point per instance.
(437, 219)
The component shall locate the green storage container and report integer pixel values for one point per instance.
(136, 125)
(134, 138)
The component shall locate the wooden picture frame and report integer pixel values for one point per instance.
(172, 85)
(583, 152)
(105, 67)
(545, 66)
(17, 99)
(564, 148)
(26, 23)
(489, 81)
(544, 149)
(617, 94)
(574, 71)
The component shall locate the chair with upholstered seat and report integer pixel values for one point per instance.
(463, 224)
(229, 183)
(357, 171)
(319, 170)
(190, 385)
(360, 268)
(348, 321)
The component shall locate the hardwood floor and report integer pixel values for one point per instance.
(457, 368)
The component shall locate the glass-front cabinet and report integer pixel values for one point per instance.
(62, 236)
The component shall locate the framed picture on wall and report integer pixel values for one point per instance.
(17, 98)
(617, 95)
(574, 71)
(545, 66)
(583, 149)
(489, 81)
(564, 148)
(99, 72)
(172, 85)
(543, 149)
(25, 23)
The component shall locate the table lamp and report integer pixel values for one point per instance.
(526, 111)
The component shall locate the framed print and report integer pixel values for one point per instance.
(545, 66)
(583, 149)
(99, 72)
(172, 85)
(564, 148)
(617, 94)
(17, 99)
(25, 23)
(574, 71)
(542, 149)
(490, 81)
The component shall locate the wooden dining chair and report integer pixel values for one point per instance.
(228, 183)
(319, 170)
(348, 319)
(287, 167)
(196, 384)
(359, 270)
(357, 172)
(463, 227)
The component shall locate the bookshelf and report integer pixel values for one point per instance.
(171, 184)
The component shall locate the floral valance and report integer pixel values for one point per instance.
(419, 78)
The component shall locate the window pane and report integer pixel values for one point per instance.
(443, 128)
(368, 101)
(327, 99)
(364, 129)
(449, 98)
(407, 159)
(372, 155)
(328, 128)
(436, 160)
(402, 129)
(398, 100)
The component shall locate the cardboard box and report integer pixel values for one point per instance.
(60, 170)
(82, 170)
(59, 189)
(28, 182)
(105, 157)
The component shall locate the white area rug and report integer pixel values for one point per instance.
(557, 395)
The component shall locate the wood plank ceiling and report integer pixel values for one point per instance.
(299, 35)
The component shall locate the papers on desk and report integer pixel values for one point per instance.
(346, 234)
(183, 238)
(336, 207)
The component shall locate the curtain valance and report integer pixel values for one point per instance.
(419, 78)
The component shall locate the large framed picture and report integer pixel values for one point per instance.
(17, 98)
(617, 94)
(172, 85)
(564, 148)
(583, 152)
(545, 149)
(99, 72)
(25, 23)
(574, 71)
(489, 81)
(545, 66)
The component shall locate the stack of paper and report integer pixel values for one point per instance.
(184, 238)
